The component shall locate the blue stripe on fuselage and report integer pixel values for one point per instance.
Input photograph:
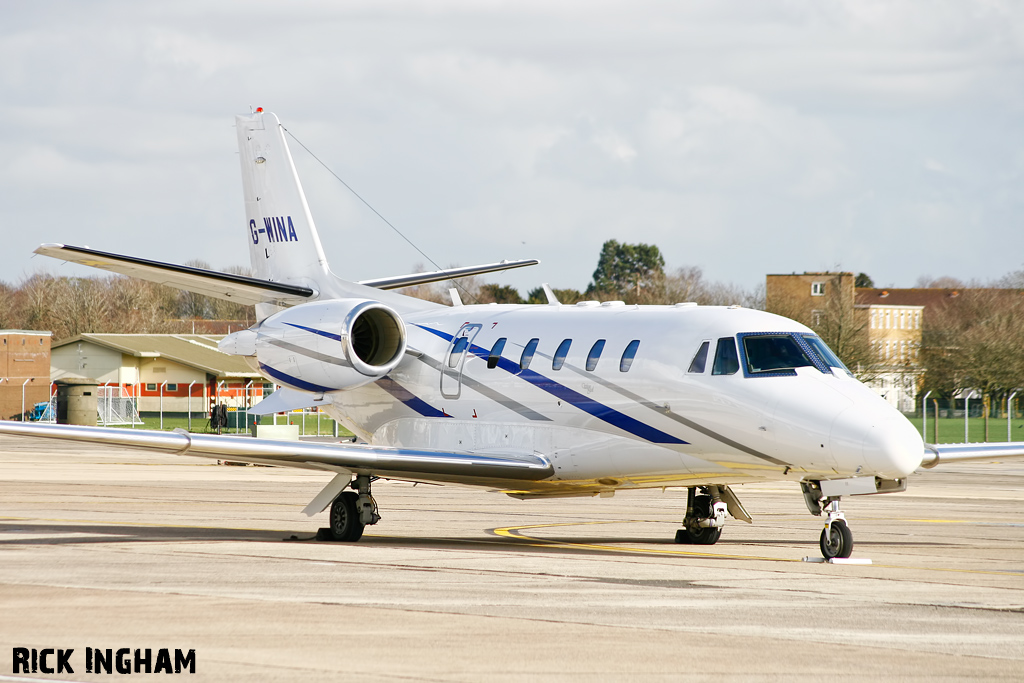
(564, 393)
(329, 335)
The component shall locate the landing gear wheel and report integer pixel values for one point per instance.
(699, 536)
(345, 523)
(836, 540)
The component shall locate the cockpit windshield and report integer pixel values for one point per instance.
(774, 352)
(821, 348)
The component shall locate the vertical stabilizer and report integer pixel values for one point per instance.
(283, 242)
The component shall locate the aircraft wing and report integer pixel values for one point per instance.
(448, 274)
(415, 464)
(941, 454)
(237, 288)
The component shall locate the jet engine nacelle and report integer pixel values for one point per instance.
(331, 345)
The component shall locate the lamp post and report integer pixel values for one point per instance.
(1009, 414)
(924, 415)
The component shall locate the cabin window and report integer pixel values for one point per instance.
(563, 350)
(628, 355)
(457, 351)
(700, 359)
(726, 360)
(150, 387)
(773, 352)
(595, 355)
(495, 355)
(528, 351)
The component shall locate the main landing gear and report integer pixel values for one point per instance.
(706, 508)
(836, 538)
(352, 510)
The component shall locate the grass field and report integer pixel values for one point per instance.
(951, 430)
(202, 425)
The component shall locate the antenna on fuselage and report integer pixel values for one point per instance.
(550, 294)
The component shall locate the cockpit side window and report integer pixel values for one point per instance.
(700, 359)
(726, 360)
(774, 352)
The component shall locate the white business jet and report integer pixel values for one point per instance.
(535, 401)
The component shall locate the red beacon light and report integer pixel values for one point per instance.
(259, 110)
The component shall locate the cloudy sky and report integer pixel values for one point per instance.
(744, 137)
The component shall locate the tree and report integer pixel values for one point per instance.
(564, 296)
(863, 280)
(500, 294)
(625, 268)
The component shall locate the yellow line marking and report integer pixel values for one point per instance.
(512, 532)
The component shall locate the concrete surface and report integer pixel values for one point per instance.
(125, 549)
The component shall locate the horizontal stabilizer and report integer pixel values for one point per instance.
(237, 288)
(414, 464)
(442, 275)
(286, 400)
(942, 454)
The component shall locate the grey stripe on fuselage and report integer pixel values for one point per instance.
(661, 410)
(316, 355)
(490, 393)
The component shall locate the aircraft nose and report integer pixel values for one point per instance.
(884, 441)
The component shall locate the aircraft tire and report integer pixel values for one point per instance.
(345, 523)
(702, 536)
(836, 540)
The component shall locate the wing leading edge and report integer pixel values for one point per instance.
(943, 454)
(417, 464)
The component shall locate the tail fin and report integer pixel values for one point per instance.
(283, 242)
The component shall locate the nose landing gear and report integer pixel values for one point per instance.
(836, 539)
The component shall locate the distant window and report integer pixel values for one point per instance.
(528, 351)
(172, 387)
(457, 351)
(594, 355)
(817, 289)
(628, 355)
(726, 360)
(495, 356)
(563, 350)
(150, 387)
(700, 359)
(815, 318)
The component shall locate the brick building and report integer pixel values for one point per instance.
(24, 371)
(181, 372)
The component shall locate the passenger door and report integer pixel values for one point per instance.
(455, 360)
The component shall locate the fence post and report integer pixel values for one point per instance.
(162, 404)
(1009, 416)
(23, 397)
